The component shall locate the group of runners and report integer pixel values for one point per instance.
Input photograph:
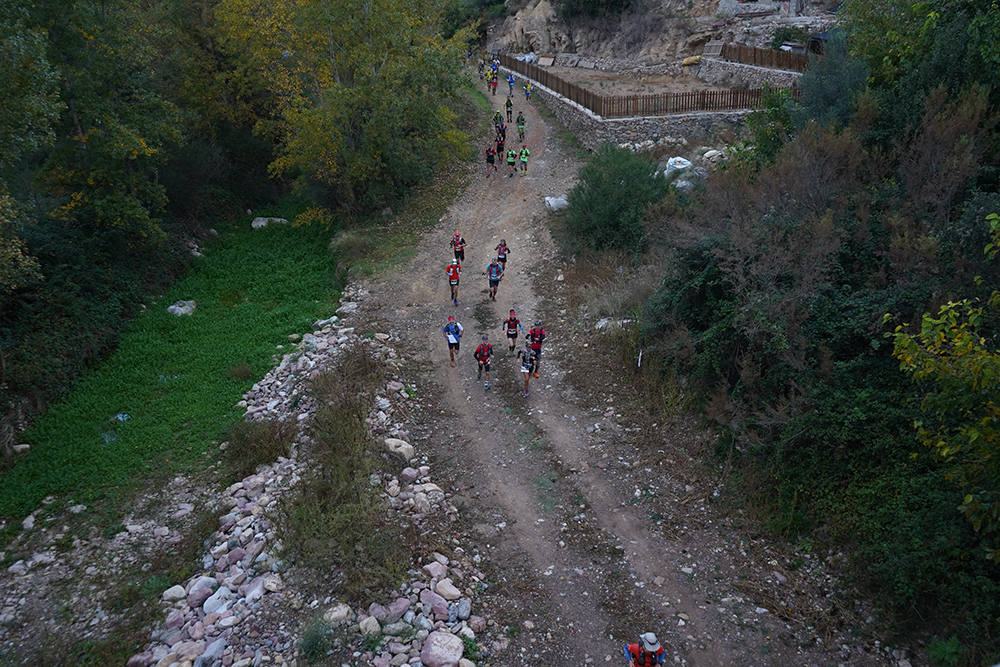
(530, 357)
(497, 150)
(489, 72)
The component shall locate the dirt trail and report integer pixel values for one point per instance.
(573, 550)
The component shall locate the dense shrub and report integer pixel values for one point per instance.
(606, 206)
(772, 302)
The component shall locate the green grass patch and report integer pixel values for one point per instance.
(157, 405)
(315, 642)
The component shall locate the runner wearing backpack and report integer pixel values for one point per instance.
(511, 325)
(483, 354)
(535, 337)
(453, 334)
(646, 653)
(494, 272)
(453, 271)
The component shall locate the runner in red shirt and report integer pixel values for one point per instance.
(483, 355)
(453, 271)
(511, 325)
(646, 653)
(502, 252)
(458, 245)
(536, 336)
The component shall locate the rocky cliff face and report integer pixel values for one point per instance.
(661, 32)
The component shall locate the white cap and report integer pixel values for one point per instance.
(649, 642)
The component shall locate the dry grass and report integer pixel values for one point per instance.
(254, 443)
(336, 519)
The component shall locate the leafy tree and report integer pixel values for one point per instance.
(109, 143)
(961, 408)
(30, 105)
(361, 90)
(767, 130)
(831, 85)
(607, 204)
(17, 267)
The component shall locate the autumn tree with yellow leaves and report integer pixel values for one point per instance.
(361, 90)
(961, 407)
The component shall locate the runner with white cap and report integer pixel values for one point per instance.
(646, 652)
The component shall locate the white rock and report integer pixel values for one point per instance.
(273, 583)
(447, 590)
(421, 503)
(260, 223)
(29, 522)
(182, 307)
(18, 569)
(556, 203)
(399, 447)
(174, 593)
(348, 307)
(370, 626)
(337, 614)
(217, 601)
(21, 448)
(713, 156)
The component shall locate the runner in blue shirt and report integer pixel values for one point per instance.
(453, 334)
(494, 272)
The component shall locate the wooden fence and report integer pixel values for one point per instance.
(623, 106)
(751, 55)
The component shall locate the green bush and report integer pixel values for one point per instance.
(607, 205)
(771, 305)
(315, 640)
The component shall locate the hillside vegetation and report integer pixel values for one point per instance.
(828, 296)
(129, 130)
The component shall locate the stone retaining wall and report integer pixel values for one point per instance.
(724, 72)
(593, 130)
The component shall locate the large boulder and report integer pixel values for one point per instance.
(441, 649)
(400, 448)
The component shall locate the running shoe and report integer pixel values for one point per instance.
(479, 375)
(525, 392)
(453, 364)
(536, 373)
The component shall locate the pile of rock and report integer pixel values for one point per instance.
(214, 618)
(424, 625)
